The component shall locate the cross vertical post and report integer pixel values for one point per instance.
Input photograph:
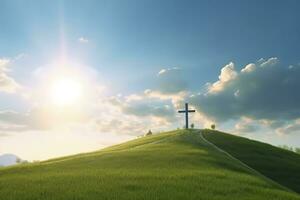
(186, 116)
(186, 111)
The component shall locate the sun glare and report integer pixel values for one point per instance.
(66, 92)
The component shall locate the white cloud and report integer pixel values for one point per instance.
(171, 81)
(270, 62)
(20, 56)
(161, 71)
(175, 98)
(3, 63)
(249, 68)
(290, 128)
(166, 70)
(83, 40)
(133, 115)
(41, 118)
(245, 125)
(144, 106)
(228, 74)
(7, 83)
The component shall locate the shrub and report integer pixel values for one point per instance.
(192, 126)
(213, 126)
(149, 133)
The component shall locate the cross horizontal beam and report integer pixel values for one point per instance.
(183, 111)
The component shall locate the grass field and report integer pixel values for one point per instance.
(280, 165)
(173, 165)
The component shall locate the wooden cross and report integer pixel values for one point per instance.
(186, 111)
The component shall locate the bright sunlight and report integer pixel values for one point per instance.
(66, 92)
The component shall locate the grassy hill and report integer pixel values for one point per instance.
(280, 165)
(173, 165)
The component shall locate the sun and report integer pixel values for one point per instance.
(66, 91)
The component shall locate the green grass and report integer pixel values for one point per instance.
(173, 165)
(278, 164)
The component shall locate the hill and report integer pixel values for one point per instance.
(8, 159)
(172, 165)
(280, 165)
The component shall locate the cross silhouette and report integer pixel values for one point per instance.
(186, 111)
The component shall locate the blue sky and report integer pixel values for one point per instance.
(144, 36)
(124, 44)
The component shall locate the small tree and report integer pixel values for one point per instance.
(286, 147)
(192, 126)
(149, 133)
(18, 160)
(213, 126)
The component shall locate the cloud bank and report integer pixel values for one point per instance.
(262, 90)
(263, 93)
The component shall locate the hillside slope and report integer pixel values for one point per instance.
(173, 165)
(277, 164)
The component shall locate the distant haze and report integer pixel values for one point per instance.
(8, 159)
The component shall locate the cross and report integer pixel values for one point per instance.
(186, 111)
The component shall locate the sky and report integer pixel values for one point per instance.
(77, 76)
